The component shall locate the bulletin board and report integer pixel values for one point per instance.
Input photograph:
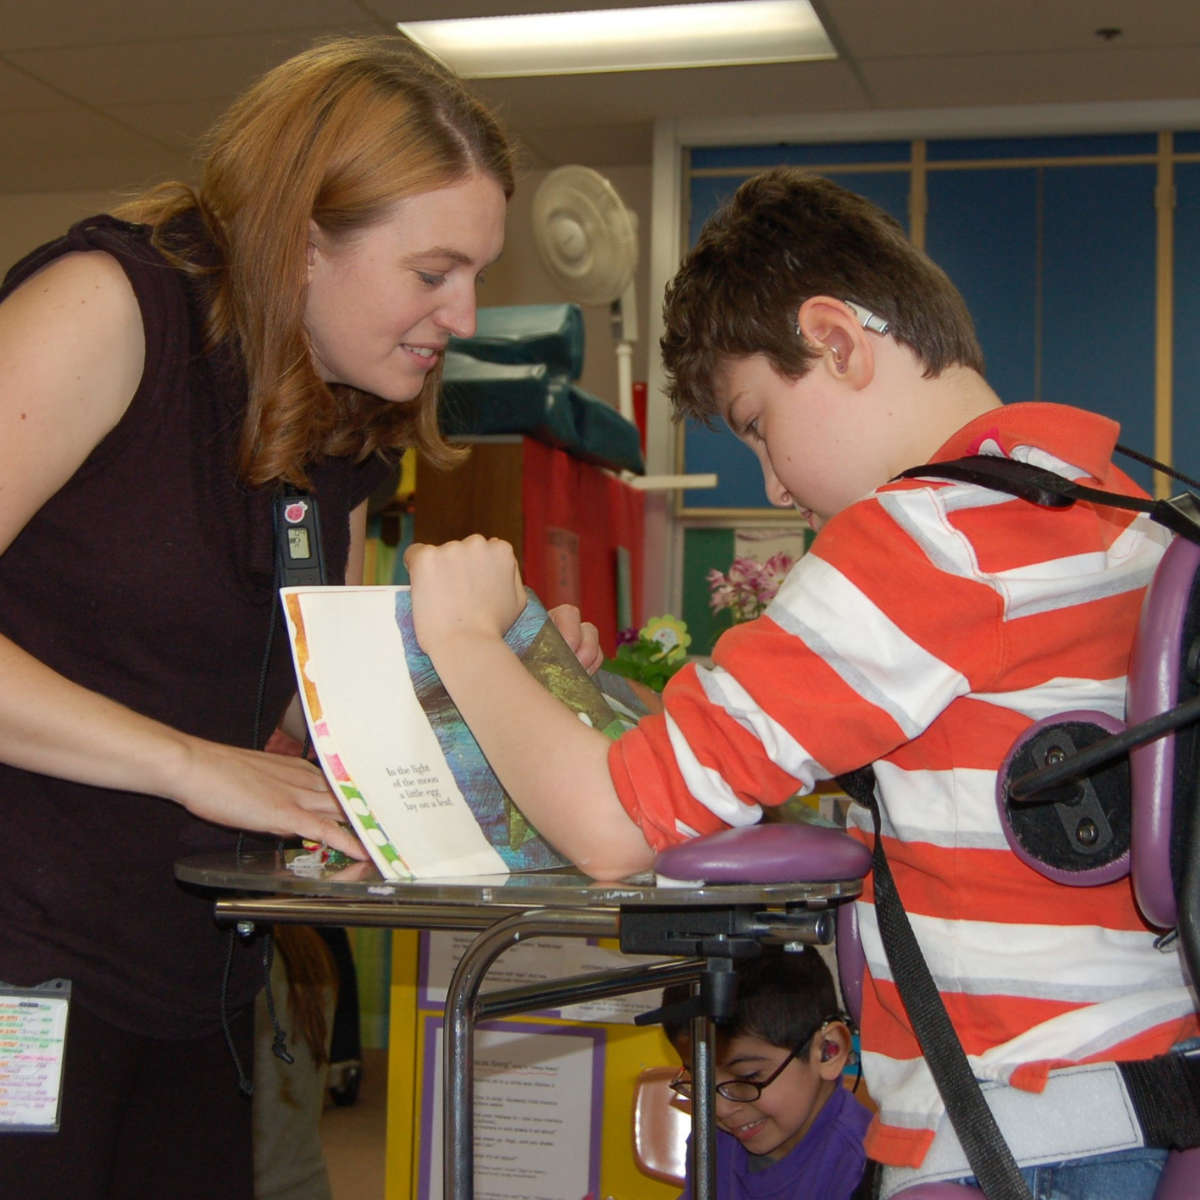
(547, 1084)
(714, 548)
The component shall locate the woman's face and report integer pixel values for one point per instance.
(383, 303)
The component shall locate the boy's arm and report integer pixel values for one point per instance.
(465, 596)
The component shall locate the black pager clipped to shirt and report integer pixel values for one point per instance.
(298, 541)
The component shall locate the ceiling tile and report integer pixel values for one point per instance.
(179, 124)
(60, 23)
(187, 69)
(58, 134)
(869, 29)
(129, 175)
(20, 93)
(161, 72)
(1049, 78)
(1144, 24)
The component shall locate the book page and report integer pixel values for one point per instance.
(415, 783)
(539, 1111)
(374, 739)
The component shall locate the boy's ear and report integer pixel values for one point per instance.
(831, 1049)
(829, 326)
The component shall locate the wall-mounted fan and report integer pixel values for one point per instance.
(587, 241)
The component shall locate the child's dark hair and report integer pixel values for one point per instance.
(784, 237)
(782, 998)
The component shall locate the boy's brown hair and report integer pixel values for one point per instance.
(786, 236)
(782, 998)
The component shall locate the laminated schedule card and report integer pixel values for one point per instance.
(33, 1032)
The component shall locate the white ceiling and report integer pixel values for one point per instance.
(111, 94)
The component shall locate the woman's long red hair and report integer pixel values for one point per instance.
(335, 135)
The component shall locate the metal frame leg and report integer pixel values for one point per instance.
(702, 1152)
(458, 1092)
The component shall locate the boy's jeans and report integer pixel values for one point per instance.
(1126, 1175)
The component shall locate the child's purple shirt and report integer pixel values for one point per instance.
(827, 1164)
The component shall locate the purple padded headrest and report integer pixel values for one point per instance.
(770, 853)
(851, 960)
(1154, 670)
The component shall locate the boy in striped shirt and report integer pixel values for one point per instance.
(930, 624)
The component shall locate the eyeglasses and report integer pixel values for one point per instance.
(747, 1091)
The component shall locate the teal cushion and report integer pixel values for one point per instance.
(604, 436)
(488, 398)
(528, 333)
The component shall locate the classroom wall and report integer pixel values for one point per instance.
(30, 218)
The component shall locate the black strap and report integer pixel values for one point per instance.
(868, 1185)
(991, 1160)
(1165, 1092)
(313, 564)
(1162, 468)
(1180, 514)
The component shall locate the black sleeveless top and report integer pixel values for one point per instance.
(149, 577)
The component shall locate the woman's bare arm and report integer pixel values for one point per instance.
(71, 352)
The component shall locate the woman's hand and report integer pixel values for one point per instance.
(266, 793)
(469, 589)
(582, 636)
(51, 725)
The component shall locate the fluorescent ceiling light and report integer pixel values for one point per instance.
(626, 39)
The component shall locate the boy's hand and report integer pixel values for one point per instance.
(582, 636)
(470, 588)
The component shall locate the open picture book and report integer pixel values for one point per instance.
(410, 776)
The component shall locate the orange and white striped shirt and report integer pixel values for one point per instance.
(929, 625)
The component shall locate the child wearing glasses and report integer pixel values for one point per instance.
(786, 1126)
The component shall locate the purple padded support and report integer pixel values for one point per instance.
(1109, 872)
(851, 961)
(1180, 1179)
(772, 853)
(1153, 688)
